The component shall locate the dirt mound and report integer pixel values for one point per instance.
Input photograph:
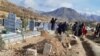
(38, 46)
(63, 50)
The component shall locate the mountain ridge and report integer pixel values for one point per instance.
(63, 13)
(71, 14)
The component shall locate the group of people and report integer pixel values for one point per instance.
(62, 26)
(79, 29)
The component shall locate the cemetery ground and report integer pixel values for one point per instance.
(51, 45)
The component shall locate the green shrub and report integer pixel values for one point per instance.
(4, 31)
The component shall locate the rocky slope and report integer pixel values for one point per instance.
(20, 11)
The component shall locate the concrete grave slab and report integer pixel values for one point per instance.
(47, 49)
(31, 52)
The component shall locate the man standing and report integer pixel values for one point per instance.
(52, 22)
(74, 28)
(64, 27)
(97, 32)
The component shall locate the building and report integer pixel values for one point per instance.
(12, 23)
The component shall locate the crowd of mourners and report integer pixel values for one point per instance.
(78, 28)
(62, 26)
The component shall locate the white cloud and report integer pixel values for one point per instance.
(25, 3)
(48, 5)
(58, 3)
(69, 5)
(51, 4)
(97, 12)
(29, 3)
(89, 11)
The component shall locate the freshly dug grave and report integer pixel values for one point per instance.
(60, 50)
(57, 48)
(39, 46)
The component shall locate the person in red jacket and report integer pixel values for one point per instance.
(84, 30)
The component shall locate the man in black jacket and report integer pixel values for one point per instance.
(98, 30)
(53, 21)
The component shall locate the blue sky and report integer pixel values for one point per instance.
(83, 6)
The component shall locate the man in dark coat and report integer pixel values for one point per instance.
(59, 29)
(53, 21)
(80, 29)
(64, 27)
(74, 28)
(97, 32)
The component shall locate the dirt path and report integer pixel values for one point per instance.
(78, 49)
(87, 48)
(91, 48)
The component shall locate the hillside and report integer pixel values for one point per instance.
(2, 13)
(20, 11)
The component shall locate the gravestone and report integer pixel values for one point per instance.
(47, 49)
(31, 52)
